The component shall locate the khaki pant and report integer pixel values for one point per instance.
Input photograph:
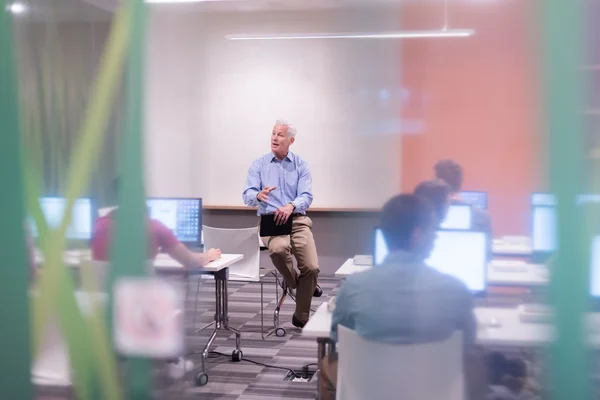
(301, 244)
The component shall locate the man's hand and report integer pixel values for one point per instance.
(283, 214)
(213, 254)
(263, 195)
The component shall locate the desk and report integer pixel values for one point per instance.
(164, 264)
(319, 328)
(533, 275)
(510, 332)
(502, 247)
(349, 268)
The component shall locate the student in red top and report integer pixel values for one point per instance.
(160, 238)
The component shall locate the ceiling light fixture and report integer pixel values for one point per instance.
(17, 8)
(445, 32)
(180, 1)
(377, 35)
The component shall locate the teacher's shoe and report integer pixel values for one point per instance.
(318, 291)
(297, 323)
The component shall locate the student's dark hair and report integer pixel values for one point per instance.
(401, 215)
(437, 192)
(450, 172)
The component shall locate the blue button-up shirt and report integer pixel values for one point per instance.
(404, 301)
(291, 177)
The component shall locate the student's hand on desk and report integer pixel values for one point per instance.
(283, 214)
(263, 195)
(213, 254)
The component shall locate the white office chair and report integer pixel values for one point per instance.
(240, 241)
(370, 370)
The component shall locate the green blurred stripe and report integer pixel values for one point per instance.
(130, 245)
(562, 25)
(15, 364)
(85, 157)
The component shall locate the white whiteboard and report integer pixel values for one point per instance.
(342, 96)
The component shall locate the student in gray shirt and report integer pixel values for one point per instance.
(403, 300)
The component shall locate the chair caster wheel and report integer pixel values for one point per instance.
(280, 332)
(201, 379)
(237, 355)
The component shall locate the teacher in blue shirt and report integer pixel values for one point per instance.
(280, 183)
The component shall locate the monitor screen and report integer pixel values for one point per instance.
(543, 229)
(595, 270)
(380, 248)
(544, 219)
(478, 199)
(182, 216)
(462, 254)
(81, 217)
(458, 217)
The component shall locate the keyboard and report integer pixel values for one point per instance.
(535, 313)
(509, 265)
(363, 260)
(536, 308)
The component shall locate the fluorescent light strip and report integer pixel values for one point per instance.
(383, 35)
(181, 1)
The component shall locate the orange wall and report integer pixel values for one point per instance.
(482, 105)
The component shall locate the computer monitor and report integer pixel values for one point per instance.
(595, 268)
(380, 249)
(81, 216)
(182, 215)
(478, 199)
(543, 224)
(458, 217)
(543, 235)
(462, 254)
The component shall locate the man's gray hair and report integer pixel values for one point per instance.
(290, 131)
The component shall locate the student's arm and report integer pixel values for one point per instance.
(341, 314)
(170, 244)
(185, 257)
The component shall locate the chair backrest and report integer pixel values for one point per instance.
(236, 241)
(371, 370)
